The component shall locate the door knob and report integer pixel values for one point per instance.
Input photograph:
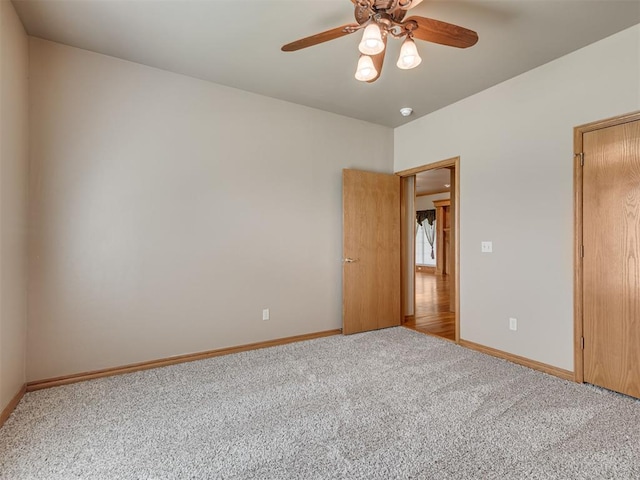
(349, 260)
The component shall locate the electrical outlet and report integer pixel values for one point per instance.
(513, 323)
(486, 247)
(265, 314)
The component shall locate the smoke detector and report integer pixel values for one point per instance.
(406, 111)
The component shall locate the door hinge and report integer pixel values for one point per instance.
(582, 343)
(581, 155)
(582, 251)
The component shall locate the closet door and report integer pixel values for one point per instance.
(611, 263)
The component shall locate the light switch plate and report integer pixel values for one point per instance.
(486, 247)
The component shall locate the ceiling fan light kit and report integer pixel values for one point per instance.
(366, 71)
(371, 43)
(409, 57)
(381, 19)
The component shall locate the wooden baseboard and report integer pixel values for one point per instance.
(408, 318)
(11, 406)
(165, 362)
(526, 362)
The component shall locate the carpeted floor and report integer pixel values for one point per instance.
(382, 405)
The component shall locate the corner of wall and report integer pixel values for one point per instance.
(14, 166)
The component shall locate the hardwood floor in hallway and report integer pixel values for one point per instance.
(432, 306)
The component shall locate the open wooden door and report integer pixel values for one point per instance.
(611, 239)
(371, 251)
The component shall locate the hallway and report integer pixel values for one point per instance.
(432, 306)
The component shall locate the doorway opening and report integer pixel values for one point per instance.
(430, 246)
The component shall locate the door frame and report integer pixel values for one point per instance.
(453, 163)
(578, 305)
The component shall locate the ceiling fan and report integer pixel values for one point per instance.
(383, 18)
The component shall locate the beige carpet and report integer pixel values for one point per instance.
(382, 405)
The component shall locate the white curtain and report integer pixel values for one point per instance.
(425, 243)
(430, 233)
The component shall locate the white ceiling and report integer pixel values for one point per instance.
(237, 43)
(433, 181)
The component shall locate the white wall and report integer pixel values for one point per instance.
(14, 163)
(515, 144)
(167, 212)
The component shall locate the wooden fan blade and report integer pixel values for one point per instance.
(444, 33)
(378, 60)
(318, 38)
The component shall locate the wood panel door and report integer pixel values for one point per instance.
(611, 264)
(371, 296)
